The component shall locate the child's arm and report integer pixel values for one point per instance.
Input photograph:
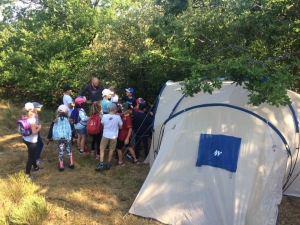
(35, 130)
(50, 133)
(128, 136)
(120, 123)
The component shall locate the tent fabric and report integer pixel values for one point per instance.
(177, 192)
(219, 151)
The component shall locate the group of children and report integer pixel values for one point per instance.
(110, 124)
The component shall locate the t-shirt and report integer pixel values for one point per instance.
(36, 116)
(131, 100)
(33, 137)
(95, 93)
(127, 123)
(67, 99)
(105, 104)
(114, 98)
(141, 123)
(111, 123)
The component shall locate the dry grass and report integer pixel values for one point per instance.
(83, 196)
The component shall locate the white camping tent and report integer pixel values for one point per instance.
(176, 191)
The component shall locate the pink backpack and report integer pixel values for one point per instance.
(24, 128)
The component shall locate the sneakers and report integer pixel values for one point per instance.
(136, 162)
(100, 167)
(61, 169)
(108, 166)
(39, 161)
(37, 169)
(71, 166)
(129, 156)
(30, 177)
(121, 163)
(82, 152)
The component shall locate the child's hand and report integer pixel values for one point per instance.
(126, 142)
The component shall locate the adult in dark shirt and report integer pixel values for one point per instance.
(141, 124)
(94, 90)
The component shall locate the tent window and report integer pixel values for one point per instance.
(219, 151)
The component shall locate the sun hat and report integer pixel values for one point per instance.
(62, 108)
(37, 105)
(80, 100)
(29, 106)
(106, 92)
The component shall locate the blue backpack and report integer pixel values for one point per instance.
(75, 115)
(62, 129)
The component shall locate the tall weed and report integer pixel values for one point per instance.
(31, 210)
(19, 204)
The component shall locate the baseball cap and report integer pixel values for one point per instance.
(131, 90)
(37, 105)
(67, 87)
(112, 107)
(106, 92)
(29, 106)
(140, 100)
(80, 100)
(125, 106)
(62, 108)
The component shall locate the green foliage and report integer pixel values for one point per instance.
(19, 204)
(144, 44)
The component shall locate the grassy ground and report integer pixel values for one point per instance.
(83, 196)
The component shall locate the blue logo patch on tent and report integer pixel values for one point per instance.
(219, 151)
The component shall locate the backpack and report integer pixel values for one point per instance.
(62, 129)
(75, 115)
(94, 124)
(24, 127)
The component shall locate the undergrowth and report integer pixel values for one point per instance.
(19, 202)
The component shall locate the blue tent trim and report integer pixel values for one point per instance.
(295, 118)
(217, 150)
(234, 107)
(175, 107)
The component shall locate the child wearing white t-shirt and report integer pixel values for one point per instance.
(111, 125)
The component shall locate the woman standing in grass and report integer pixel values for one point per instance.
(31, 140)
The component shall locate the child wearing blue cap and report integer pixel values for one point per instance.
(129, 97)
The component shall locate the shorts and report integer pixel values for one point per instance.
(108, 141)
(120, 144)
(81, 131)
